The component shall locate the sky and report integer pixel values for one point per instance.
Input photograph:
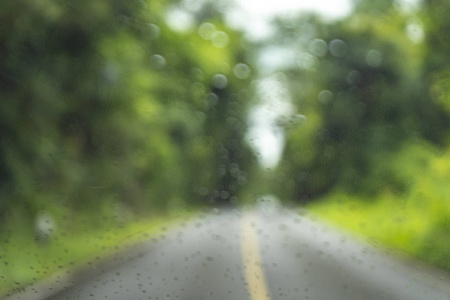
(253, 15)
(270, 7)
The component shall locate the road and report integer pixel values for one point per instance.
(258, 254)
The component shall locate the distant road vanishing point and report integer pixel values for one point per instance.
(257, 255)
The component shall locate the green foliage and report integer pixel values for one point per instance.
(372, 156)
(26, 260)
(107, 115)
(359, 82)
(435, 248)
(103, 103)
(436, 24)
(415, 221)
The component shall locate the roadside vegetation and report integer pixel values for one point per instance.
(372, 154)
(78, 246)
(414, 222)
(110, 114)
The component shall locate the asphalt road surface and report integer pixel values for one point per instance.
(258, 254)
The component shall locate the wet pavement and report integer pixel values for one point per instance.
(258, 254)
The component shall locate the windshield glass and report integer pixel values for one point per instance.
(180, 149)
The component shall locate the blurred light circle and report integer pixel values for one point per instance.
(353, 77)
(220, 39)
(374, 58)
(241, 71)
(318, 47)
(338, 48)
(212, 98)
(307, 61)
(300, 119)
(325, 96)
(111, 72)
(158, 61)
(224, 195)
(219, 81)
(205, 30)
(154, 30)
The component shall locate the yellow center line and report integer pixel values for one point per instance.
(251, 258)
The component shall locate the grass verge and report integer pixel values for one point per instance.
(415, 222)
(24, 260)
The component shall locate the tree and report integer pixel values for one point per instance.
(359, 83)
(103, 105)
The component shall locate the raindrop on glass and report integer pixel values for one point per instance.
(318, 47)
(205, 30)
(338, 48)
(307, 61)
(220, 39)
(241, 71)
(157, 61)
(154, 30)
(212, 98)
(324, 96)
(224, 195)
(299, 119)
(353, 77)
(374, 58)
(111, 72)
(219, 81)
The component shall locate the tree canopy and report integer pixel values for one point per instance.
(365, 85)
(103, 104)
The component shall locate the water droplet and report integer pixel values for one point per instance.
(267, 204)
(241, 71)
(212, 98)
(154, 30)
(374, 58)
(143, 4)
(219, 81)
(157, 61)
(324, 96)
(220, 39)
(205, 30)
(307, 61)
(338, 48)
(224, 195)
(299, 119)
(216, 194)
(111, 72)
(242, 180)
(353, 77)
(318, 47)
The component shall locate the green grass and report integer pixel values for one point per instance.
(385, 220)
(415, 221)
(23, 260)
